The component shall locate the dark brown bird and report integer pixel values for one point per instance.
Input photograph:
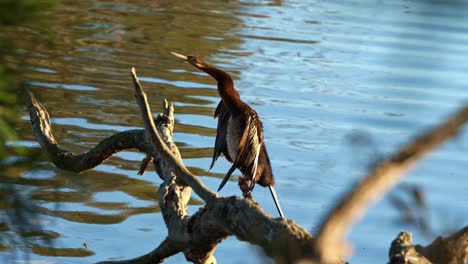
(239, 133)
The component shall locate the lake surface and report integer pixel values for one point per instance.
(337, 85)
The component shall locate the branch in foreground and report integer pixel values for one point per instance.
(331, 243)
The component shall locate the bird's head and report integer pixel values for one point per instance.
(192, 60)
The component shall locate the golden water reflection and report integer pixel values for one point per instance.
(82, 77)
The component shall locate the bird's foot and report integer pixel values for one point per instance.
(245, 187)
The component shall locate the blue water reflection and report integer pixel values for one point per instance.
(317, 72)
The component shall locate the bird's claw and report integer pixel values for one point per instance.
(244, 186)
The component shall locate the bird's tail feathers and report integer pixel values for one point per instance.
(226, 177)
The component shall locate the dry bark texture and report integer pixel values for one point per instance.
(281, 239)
(402, 251)
(449, 250)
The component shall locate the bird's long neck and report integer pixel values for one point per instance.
(225, 87)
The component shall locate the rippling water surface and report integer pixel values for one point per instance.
(322, 75)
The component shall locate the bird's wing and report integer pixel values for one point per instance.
(249, 146)
(249, 150)
(220, 143)
(220, 107)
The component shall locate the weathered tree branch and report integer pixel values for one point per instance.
(331, 244)
(197, 236)
(159, 148)
(221, 216)
(450, 250)
(70, 161)
(166, 249)
(402, 251)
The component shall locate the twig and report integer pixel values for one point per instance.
(144, 164)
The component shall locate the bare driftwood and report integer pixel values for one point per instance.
(197, 235)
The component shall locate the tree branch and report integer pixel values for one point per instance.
(197, 236)
(402, 251)
(450, 250)
(159, 147)
(67, 160)
(221, 216)
(166, 249)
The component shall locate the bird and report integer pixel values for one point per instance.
(239, 134)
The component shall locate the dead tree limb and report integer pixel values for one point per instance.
(160, 149)
(402, 251)
(197, 236)
(450, 250)
(67, 160)
(221, 216)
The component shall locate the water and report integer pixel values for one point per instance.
(319, 73)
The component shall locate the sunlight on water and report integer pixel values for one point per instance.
(319, 73)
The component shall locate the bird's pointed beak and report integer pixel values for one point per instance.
(180, 56)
